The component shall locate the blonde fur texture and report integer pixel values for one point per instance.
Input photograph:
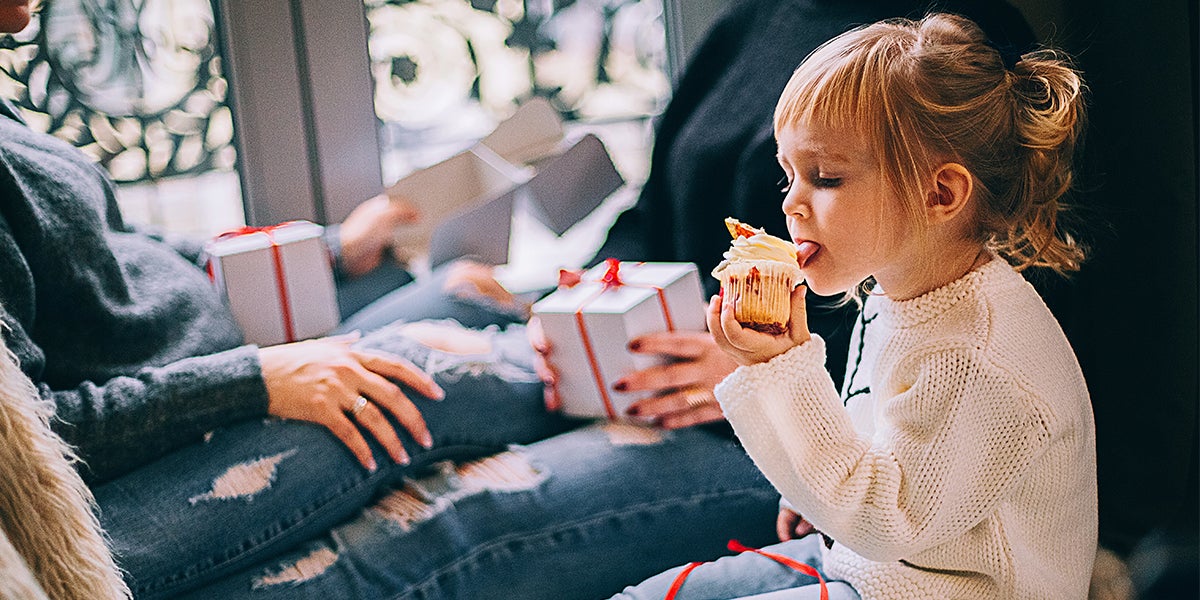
(46, 511)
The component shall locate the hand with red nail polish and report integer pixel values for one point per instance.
(681, 385)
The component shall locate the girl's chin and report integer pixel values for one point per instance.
(822, 287)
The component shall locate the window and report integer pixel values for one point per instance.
(139, 87)
(213, 113)
(445, 71)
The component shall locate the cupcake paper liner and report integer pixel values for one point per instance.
(761, 293)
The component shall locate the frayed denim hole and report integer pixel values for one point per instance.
(306, 568)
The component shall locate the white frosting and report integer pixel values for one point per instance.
(760, 247)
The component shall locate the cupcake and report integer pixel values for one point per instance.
(759, 272)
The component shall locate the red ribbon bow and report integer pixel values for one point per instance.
(610, 280)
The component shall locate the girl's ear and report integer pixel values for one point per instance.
(952, 188)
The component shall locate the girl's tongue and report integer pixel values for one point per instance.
(805, 251)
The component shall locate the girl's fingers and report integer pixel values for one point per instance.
(551, 397)
(737, 336)
(386, 394)
(370, 417)
(798, 329)
(663, 377)
(804, 528)
(713, 318)
(785, 525)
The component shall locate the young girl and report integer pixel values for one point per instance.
(959, 459)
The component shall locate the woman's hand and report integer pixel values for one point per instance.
(748, 346)
(789, 525)
(367, 231)
(469, 279)
(541, 364)
(682, 386)
(321, 381)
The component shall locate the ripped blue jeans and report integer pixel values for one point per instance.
(274, 509)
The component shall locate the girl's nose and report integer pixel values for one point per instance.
(794, 205)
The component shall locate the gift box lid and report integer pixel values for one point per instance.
(255, 238)
(638, 281)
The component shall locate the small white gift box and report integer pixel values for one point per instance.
(589, 326)
(277, 280)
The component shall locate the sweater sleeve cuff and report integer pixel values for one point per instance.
(333, 244)
(808, 357)
(217, 389)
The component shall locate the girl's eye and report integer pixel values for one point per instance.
(787, 185)
(826, 182)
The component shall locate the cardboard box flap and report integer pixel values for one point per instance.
(570, 186)
(452, 187)
(482, 234)
(534, 131)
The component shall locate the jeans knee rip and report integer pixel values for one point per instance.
(244, 480)
(631, 434)
(453, 364)
(305, 568)
(421, 499)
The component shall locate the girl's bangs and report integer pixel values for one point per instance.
(828, 90)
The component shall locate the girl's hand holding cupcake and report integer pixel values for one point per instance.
(760, 313)
(748, 346)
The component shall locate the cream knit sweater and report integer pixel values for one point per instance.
(963, 462)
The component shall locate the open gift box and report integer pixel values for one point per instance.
(277, 280)
(467, 201)
(590, 324)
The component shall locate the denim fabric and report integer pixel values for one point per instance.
(355, 293)
(424, 299)
(275, 509)
(578, 515)
(748, 575)
(257, 488)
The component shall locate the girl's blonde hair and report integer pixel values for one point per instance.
(924, 93)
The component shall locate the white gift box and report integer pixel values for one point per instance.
(278, 281)
(590, 325)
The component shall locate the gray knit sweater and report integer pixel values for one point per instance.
(121, 330)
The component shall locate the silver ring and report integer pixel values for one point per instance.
(697, 397)
(359, 403)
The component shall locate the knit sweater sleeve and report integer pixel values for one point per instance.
(130, 342)
(953, 435)
(127, 421)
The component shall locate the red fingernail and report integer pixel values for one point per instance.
(635, 345)
(620, 386)
(633, 411)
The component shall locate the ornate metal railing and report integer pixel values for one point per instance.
(135, 83)
(593, 59)
(138, 84)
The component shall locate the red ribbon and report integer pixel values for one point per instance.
(611, 280)
(285, 303)
(736, 546)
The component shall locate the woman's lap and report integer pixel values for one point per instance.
(577, 515)
(254, 508)
(257, 488)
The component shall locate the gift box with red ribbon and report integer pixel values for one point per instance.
(277, 280)
(591, 318)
